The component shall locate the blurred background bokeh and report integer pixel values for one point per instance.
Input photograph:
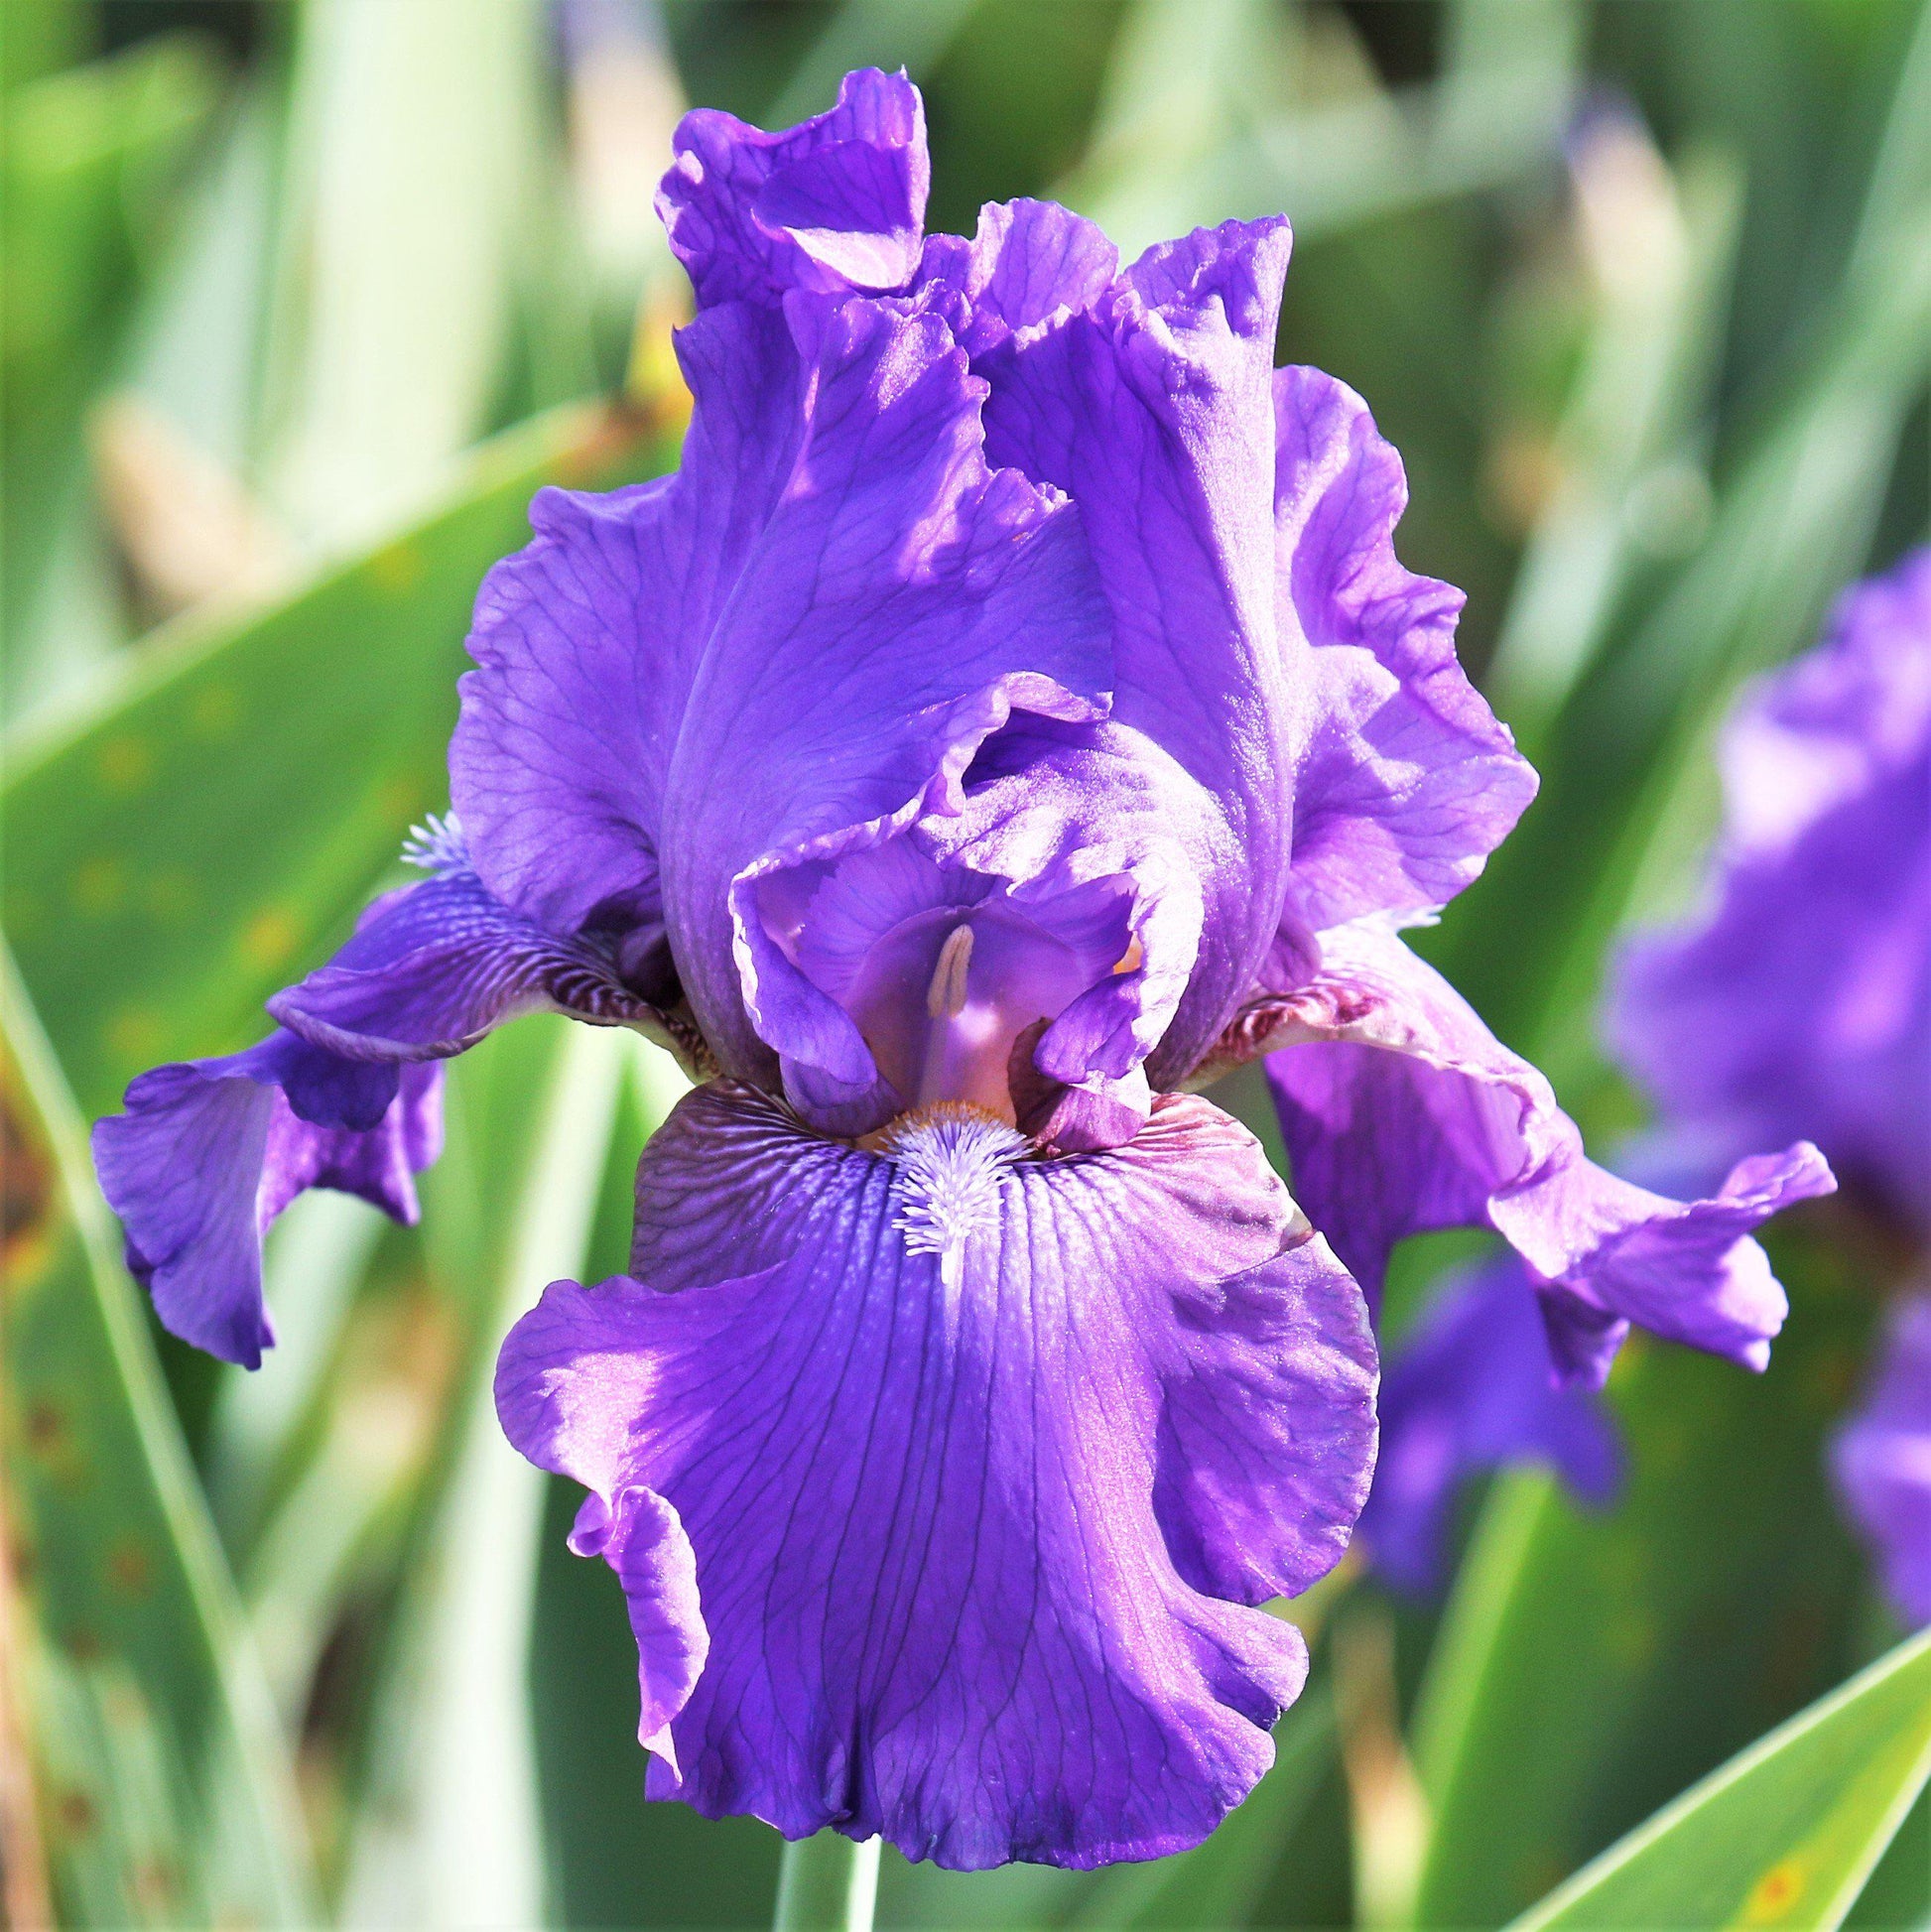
(303, 300)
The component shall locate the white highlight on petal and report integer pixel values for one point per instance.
(951, 1161)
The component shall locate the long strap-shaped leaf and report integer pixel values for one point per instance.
(158, 1780)
(209, 819)
(1783, 1834)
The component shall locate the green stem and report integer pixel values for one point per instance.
(827, 1884)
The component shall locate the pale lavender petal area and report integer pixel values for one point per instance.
(1403, 1114)
(986, 1462)
(833, 205)
(210, 1151)
(435, 966)
(1800, 1001)
(1405, 782)
(1472, 1390)
(1153, 408)
(902, 601)
(1882, 1459)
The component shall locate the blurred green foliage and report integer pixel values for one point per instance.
(301, 301)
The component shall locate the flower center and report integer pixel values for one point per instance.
(943, 996)
(951, 1162)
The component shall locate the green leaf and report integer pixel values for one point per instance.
(1590, 1665)
(88, 167)
(1898, 1896)
(161, 1787)
(1786, 1833)
(445, 1820)
(414, 138)
(217, 809)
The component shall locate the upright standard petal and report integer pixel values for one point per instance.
(1472, 1390)
(1800, 1002)
(1402, 1112)
(586, 641)
(984, 1462)
(1153, 408)
(900, 603)
(210, 1151)
(1405, 781)
(1882, 1459)
(832, 205)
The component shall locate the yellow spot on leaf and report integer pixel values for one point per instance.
(216, 711)
(126, 763)
(1775, 1894)
(98, 886)
(398, 569)
(135, 1034)
(269, 937)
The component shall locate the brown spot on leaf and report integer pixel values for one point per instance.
(26, 1189)
(74, 1811)
(129, 1568)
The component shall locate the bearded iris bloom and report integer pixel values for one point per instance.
(1011, 714)
(1800, 1000)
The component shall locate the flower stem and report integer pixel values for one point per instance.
(827, 1884)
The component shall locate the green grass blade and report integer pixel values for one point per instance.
(1898, 1898)
(90, 163)
(414, 139)
(1785, 1834)
(446, 1829)
(165, 1796)
(216, 812)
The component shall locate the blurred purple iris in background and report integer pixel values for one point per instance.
(1800, 1000)
(1011, 715)
(1797, 1003)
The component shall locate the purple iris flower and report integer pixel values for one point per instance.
(1799, 1001)
(1010, 715)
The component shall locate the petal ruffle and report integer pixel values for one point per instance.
(1029, 262)
(1154, 411)
(835, 203)
(210, 1151)
(1882, 1459)
(984, 1462)
(1473, 1390)
(435, 966)
(1404, 1113)
(1406, 780)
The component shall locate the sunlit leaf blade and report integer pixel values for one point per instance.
(1786, 1833)
(1623, 1654)
(413, 146)
(1898, 1898)
(162, 1793)
(447, 1830)
(88, 162)
(215, 815)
